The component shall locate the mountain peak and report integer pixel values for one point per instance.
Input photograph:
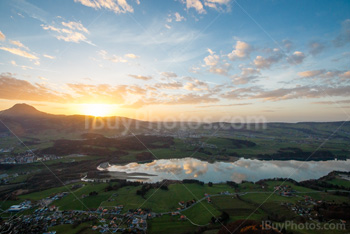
(22, 109)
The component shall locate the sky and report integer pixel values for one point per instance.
(195, 60)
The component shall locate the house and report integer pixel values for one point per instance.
(15, 208)
(135, 221)
(52, 208)
(3, 176)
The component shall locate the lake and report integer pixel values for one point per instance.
(242, 169)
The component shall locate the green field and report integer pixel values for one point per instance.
(170, 224)
(164, 201)
(237, 208)
(201, 213)
(340, 182)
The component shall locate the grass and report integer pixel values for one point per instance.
(273, 184)
(259, 198)
(22, 168)
(125, 196)
(249, 186)
(201, 213)
(170, 224)
(4, 205)
(167, 200)
(76, 202)
(163, 200)
(19, 179)
(45, 193)
(234, 206)
(340, 182)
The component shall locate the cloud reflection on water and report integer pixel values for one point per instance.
(242, 169)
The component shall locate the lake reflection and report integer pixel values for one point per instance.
(242, 169)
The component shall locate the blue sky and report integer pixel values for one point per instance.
(284, 60)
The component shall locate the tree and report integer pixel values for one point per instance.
(210, 184)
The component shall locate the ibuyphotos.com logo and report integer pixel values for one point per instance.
(292, 226)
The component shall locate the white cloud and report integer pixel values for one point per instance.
(49, 56)
(345, 75)
(19, 52)
(139, 77)
(132, 56)
(316, 47)
(333, 77)
(19, 44)
(263, 63)
(296, 58)
(310, 74)
(215, 64)
(23, 67)
(42, 78)
(75, 26)
(210, 51)
(113, 58)
(2, 36)
(247, 75)
(117, 6)
(303, 92)
(171, 85)
(178, 17)
(242, 50)
(196, 4)
(71, 32)
(217, 4)
(196, 85)
(344, 37)
(212, 59)
(169, 74)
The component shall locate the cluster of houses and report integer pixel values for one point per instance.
(27, 157)
(284, 190)
(111, 220)
(106, 220)
(7, 178)
(20, 207)
(43, 204)
(304, 207)
(183, 204)
(43, 218)
(7, 150)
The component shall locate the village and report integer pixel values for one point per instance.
(27, 157)
(42, 216)
(39, 216)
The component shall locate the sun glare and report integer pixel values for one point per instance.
(97, 110)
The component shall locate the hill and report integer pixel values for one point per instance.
(23, 110)
(26, 120)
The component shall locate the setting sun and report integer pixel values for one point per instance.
(97, 110)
